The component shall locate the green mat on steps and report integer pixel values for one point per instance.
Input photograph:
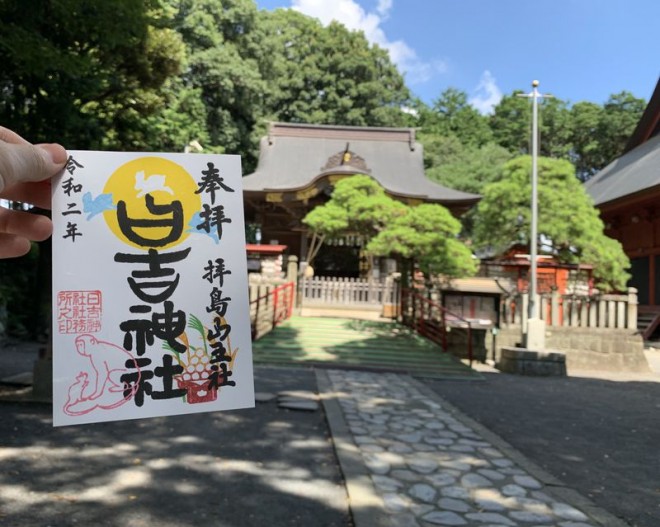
(358, 344)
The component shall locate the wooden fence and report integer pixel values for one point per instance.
(269, 306)
(348, 291)
(598, 311)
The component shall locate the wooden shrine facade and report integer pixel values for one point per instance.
(627, 193)
(299, 164)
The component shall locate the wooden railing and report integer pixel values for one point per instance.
(270, 306)
(431, 320)
(348, 291)
(597, 311)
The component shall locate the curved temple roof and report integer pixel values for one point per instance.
(294, 156)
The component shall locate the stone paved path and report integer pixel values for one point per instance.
(430, 468)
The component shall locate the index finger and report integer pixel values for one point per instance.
(9, 136)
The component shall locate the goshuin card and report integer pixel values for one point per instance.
(150, 305)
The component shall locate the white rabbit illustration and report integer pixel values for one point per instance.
(150, 184)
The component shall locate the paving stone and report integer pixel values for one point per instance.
(404, 520)
(502, 462)
(513, 490)
(363, 440)
(531, 517)
(542, 496)
(423, 465)
(386, 483)
(460, 428)
(421, 447)
(400, 448)
(441, 479)
(566, 512)
(462, 448)
(489, 517)
(490, 505)
(264, 397)
(298, 394)
(394, 502)
(455, 492)
(455, 464)
(434, 425)
(473, 481)
(406, 475)
(491, 474)
(528, 482)
(513, 471)
(444, 518)
(358, 430)
(431, 440)
(415, 437)
(473, 442)
(423, 492)
(454, 504)
(531, 505)
(377, 464)
(372, 448)
(420, 510)
(299, 404)
(492, 452)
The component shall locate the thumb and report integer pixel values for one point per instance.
(21, 163)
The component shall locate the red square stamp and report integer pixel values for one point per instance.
(79, 311)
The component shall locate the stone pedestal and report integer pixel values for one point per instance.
(534, 339)
(523, 361)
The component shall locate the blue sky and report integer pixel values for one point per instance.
(579, 50)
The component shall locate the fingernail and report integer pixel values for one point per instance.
(56, 152)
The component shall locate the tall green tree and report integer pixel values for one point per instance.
(331, 75)
(587, 155)
(221, 72)
(452, 115)
(569, 226)
(85, 73)
(511, 124)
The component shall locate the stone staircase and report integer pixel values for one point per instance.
(357, 344)
(648, 324)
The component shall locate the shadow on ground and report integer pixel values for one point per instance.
(256, 467)
(600, 437)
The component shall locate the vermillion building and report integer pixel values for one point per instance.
(627, 192)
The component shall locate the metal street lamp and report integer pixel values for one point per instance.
(532, 309)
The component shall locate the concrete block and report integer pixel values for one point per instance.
(523, 361)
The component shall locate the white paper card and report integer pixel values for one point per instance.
(150, 305)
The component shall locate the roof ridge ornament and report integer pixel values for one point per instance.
(346, 158)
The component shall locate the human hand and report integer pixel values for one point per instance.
(25, 172)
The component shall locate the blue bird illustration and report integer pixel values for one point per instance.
(96, 205)
(197, 220)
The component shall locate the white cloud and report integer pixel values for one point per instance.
(354, 17)
(487, 94)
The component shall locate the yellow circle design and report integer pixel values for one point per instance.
(163, 180)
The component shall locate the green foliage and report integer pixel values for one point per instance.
(84, 73)
(318, 74)
(451, 115)
(567, 219)
(428, 235)
(466, 168)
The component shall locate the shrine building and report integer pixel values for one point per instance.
(300, 163)
(627, 192)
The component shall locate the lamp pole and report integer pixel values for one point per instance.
(532, 311)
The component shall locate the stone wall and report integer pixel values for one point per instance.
(585, 348)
